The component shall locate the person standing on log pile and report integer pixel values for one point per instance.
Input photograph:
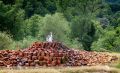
(49, 38)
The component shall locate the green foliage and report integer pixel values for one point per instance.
(39, 27)
(75, 23)
(57, 24)
(109, 41)
(11, 20)
(22, 44)
(81, 13)
(83, 30)
(33, 25)
(118, 65)
(18, 33)
(40, 7)
(5, 41)
(115, 19)
(73, 44)
(87, 8)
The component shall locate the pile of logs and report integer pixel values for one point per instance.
(78, 58)
(51, 54)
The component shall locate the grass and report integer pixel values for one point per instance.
(118, 66)
(83, 69)
(117, 63)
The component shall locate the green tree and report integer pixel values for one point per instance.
(115, 19)
(39, 27)
(33, 25)
(83, 29)
(12, 18)
(82, 15)
(109, 41)
(40, 7)
(72, 8)
(57, 24)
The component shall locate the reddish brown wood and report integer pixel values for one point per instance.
(52, 54)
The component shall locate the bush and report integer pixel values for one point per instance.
(73, 43)
(5, 41)
(110, 41)
(26, 42)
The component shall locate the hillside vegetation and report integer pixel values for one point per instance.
(83, 24)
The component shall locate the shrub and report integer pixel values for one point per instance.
(73, 43)
(110, 41)
(26, 42)
(5, 41)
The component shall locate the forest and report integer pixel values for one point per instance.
(92, 25)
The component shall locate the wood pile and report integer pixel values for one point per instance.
(51, 54)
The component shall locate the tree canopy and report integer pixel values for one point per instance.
(86, 24)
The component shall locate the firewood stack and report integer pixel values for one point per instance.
(78, 58)
(51, 54)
